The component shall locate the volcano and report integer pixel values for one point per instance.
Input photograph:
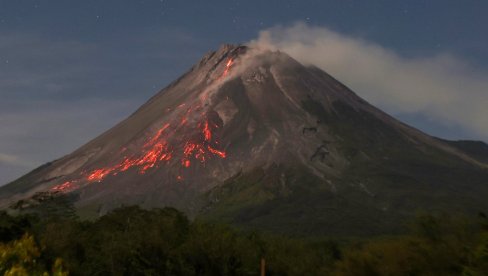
(254, 138)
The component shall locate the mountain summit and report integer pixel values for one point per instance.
(254, 138)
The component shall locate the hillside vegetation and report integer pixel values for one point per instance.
(133, 241)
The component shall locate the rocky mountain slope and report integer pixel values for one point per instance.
(254, 138)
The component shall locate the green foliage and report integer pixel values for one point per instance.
(23, 257)
(127, 241)
(219, 250)
(13, 227)
(294, 257)
(438, 246)
(134, 241)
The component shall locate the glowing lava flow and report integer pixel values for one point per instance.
(154, 151)
(99, 174)
(199, 147)
(227, 68)
(63, 187)
(157, 149)
(206, 132)
(158, 134)
(222, 154)
(202, 148)
(200, 144)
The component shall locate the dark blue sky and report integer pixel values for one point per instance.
(411, 27)
(71, 69)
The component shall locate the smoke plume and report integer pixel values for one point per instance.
(442, 87)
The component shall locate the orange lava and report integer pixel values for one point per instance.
(154, 151)
(227, 66)
(222, 154)
(63, 187)
(206, 132)
(158, 149)
(157, 136)
(198, 144)
(98, 175)
(186, 163)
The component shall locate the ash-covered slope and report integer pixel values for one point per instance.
(256, 138)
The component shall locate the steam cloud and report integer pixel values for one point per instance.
(442, 88)
(10, 159)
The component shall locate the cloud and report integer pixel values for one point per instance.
(442, 88)
(11, 164)
(9, 159)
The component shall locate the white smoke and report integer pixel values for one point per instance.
(9, 159)
(441, 87)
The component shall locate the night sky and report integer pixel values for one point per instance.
(71, 69)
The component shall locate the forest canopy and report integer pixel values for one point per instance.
(134, 241)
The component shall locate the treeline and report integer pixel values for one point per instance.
(133, 241)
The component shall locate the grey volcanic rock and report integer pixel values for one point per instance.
(243, 129)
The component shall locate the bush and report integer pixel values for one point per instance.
(134, 241)
(23, 257)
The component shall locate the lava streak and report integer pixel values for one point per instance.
(181, 138)
(227, 67)
(200, 147)
(222, 154)
(206, 132)
(99, 174)
(63, 187)
(154, 151)
(157, 136)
